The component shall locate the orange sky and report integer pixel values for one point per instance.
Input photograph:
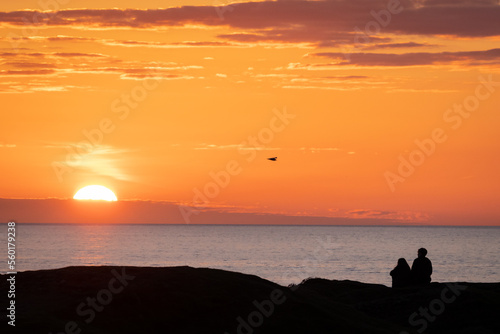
(156, 102)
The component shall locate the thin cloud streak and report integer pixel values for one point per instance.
(470, 58)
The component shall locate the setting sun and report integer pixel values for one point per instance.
(95, 192)
(379, 112)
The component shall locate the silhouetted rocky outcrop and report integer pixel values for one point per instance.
(199, 300)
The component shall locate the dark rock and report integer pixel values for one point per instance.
(199, 300)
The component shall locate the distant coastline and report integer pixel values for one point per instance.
(52, 210)
(277, 225)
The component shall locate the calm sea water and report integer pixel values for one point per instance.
(283, 254)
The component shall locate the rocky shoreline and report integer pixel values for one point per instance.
(109, 299)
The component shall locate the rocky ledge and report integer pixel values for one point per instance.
(185, 300)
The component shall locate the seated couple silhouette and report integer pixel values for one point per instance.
(419, 274)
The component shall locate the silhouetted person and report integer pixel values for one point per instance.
(421, 269)
(401, 274)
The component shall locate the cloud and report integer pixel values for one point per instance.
(336, 82)
(488, 57)
(205, 146)
(408, 90)
(240, 147)
(218, 147)
(53, 64)
(321, 149)
(314, 36)
(37, 72)
(62, 38)
(397, 45)
(162, 45)
(452, 18)
(166, 71)
(156, 76)
(63, 63)
(78, 55)
(352, 79)
(159, 212)
(17, 55)
(119, 43)
(338, 88)
(35, 85)
(404, 216)
(102, 160)
(275, 75)
(326, 23)
(370, 213)
(29, 65)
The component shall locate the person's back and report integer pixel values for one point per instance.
(401, 274)
(421, 268)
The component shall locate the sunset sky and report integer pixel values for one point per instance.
(379, 111)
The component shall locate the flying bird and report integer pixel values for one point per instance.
(273, 159)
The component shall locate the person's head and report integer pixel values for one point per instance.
(422, 252)
(402, 262)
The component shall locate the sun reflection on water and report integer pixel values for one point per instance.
(95, 243)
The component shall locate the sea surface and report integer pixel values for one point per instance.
(283, 254)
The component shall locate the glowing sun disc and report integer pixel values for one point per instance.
(94, 192)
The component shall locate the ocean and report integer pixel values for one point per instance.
(283, 254)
